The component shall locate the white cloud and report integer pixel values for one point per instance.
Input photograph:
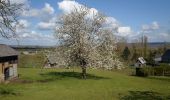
(35, 36)
(45, 25)
(48, 9)
(24, 31)
(124, 31)
(18, 1)
(153, 32)
(93, 11)
(112, 23)
(45, 11)
(155, 25)
(31, 13)
(27, 37)
(24, 3)
(23, 23)
(21, 26)
(31, 38)
(158, 37)
(67, 6)
(151, 27)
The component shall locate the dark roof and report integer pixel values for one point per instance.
(166, 57)
(7, 51)
(167, 54)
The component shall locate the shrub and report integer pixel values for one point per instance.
(162, 70)
(142, 72)
(7, 91)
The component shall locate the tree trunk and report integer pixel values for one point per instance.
(83, 72)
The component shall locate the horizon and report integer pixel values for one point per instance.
(25, 45)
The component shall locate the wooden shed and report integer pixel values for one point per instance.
(8, 63)
(140, 62)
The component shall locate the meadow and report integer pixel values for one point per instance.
(66, 84)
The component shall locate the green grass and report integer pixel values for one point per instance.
(31, 61)
(66, 84)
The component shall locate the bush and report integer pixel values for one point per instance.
(7, 91)
(141, 72)
(162, 70)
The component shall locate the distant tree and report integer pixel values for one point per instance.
(8, 16)
(135, 53)
(164, 47)
(126, 53)
(121, 44)
(145, 39)
(151, 57)
(143, 49)
(85, 41)
(160, 50)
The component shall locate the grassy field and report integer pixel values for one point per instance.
(66, 84)
(31, 61)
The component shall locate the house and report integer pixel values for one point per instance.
(53, 60)
(166, 56)
(157, 58)
(25, 52)
(50, 61)
(8, 63)
(140, 62)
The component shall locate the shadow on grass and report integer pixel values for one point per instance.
(77, 75)
(8, 91)
(54, 76)
(46, 80)
(143, 95)
(21, 81)
(160, 78)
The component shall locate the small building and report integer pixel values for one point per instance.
(157, 58)
(8, 63)
(166, 56)
(53, 60)
(50, 62)
(25, 52)
(140, 62)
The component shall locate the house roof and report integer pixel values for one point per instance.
(166, 54)
(7, 51)
(142, 60)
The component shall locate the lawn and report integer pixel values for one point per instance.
(66, 84)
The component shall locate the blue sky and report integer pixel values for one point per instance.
(133, 18)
